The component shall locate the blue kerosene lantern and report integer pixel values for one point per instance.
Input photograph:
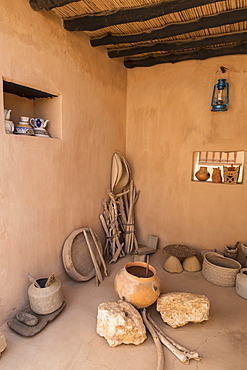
(220, 97)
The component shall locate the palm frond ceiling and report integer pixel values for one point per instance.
(149, 32)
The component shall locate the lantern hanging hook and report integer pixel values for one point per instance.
(222, 69)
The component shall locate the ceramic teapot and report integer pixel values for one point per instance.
(9, 126)
(7, 114)
(38, 122)
(39, 125)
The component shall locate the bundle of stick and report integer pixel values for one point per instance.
(183, 354)
(118, 222)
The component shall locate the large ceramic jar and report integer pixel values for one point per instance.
(241, 283)
(45, 300)
(138, 284)
(202, 174)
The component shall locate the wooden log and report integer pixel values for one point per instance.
(95, 21)
(174, 29)
(49, 4)
(178, 57)
(198, 42)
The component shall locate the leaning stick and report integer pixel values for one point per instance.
(95, 263)
(118, 252)
(99, 252)
(182, 353)
(103, 222)
(160, 365)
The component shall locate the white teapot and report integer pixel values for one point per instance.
(9, 126)
(7, 114)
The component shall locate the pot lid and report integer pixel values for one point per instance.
(180, 251)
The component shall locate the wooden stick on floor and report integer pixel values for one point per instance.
(182, 353)
(159, 349)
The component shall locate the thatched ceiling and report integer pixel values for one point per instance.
(148, 32)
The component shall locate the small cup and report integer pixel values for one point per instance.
(24, 119)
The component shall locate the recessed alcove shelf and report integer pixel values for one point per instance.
(224, 161)
(34, 103)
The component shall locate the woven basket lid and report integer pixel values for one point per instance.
(180, 251)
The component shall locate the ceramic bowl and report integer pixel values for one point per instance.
(40, 132)
(23, 130)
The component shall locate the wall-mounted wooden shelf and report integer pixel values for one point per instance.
(24, 91)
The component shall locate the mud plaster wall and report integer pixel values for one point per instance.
(49, 187)
(168, 118)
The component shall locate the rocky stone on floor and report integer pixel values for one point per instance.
(27, 318)
(3, 343)
(120, 322)
(178, 309)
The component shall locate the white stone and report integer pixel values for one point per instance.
(120, 322)
(3, 343)
(178, 309)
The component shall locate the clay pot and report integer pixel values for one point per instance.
(132, 285)
(216, 175)
(242, 254)
(45, 300)
(202, 174)
(231, 251)
(241, 283)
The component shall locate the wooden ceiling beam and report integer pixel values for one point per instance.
(49, 4)
(175, 29)
(175, 57)
(198, 42)
(95, 21)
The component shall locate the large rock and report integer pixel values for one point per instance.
(120, 322)
(178, 309)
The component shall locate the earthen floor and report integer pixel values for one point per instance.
(70, 342)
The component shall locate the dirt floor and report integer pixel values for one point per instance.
(70, 342)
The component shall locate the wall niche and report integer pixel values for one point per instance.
(33, 103)
(229, 164)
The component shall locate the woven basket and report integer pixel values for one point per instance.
(76, 256)
(220, 270)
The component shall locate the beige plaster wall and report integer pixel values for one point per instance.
(168, 118)
(49, 187)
